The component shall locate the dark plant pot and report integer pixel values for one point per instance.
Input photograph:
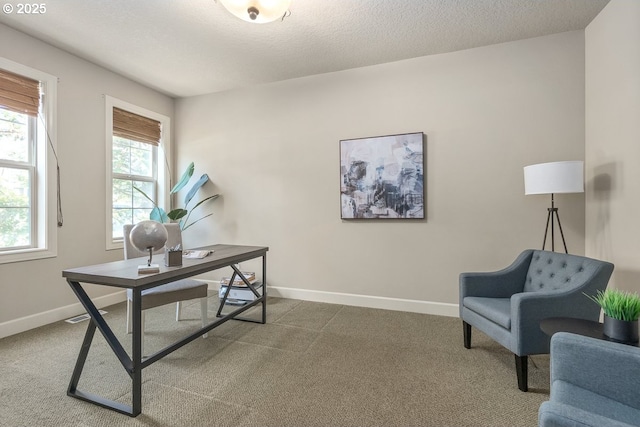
(621, 330)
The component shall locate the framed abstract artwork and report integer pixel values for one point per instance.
(382, 177)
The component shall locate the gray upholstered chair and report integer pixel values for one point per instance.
(593, 383)
(509, 304)
(178, 291)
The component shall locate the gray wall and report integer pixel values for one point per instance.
(613, 140)
(33, 292)
(273, 153)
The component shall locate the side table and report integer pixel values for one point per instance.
(588, 328)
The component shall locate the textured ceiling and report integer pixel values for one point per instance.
(192, 47)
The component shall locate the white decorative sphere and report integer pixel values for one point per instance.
(147, 235)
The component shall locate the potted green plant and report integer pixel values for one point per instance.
(621, 312)
(181, 214)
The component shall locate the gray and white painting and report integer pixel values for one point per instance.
(382, 177)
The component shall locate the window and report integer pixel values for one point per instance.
(27, 163)
(17, 169)
(134, 165)
(136, 142)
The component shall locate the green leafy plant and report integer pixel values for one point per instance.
(181, 214)
(618, 304)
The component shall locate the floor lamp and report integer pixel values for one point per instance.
(553, 178)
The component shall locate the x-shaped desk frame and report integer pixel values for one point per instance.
(124, 274)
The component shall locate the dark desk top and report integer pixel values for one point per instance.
(124, 274)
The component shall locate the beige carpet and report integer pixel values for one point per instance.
(312, 364)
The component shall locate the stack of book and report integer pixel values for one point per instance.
(240, 292)
(250, 276)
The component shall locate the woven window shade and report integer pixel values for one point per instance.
(133, 126)
(19, 94)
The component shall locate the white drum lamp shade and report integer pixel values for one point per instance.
(554, 178)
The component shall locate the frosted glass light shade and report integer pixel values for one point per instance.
(554, 178)
(258, 11)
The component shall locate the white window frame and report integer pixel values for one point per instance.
(163, 157)
(44, 188)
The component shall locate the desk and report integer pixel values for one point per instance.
(124, 274)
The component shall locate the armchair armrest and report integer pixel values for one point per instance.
(603, 367)
(529, 308)
(555, 414)
(496, 284)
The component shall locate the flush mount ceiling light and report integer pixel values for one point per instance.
(258, 11)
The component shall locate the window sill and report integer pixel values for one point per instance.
(26, 255)
(115, 245)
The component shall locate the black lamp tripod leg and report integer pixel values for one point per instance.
(550, 219)
(546, 229)
(561, 233)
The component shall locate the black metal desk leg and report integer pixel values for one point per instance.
(223, 300)
(98, 322)
(136, 373)
(264, 288)
(82, 358)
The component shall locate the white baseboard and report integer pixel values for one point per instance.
(386, 303)
(40, 319)
(414, 306)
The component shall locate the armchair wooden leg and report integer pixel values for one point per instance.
(522, 370)
(466, 328)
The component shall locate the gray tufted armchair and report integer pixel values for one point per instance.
(509, 304)
(593, 383)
